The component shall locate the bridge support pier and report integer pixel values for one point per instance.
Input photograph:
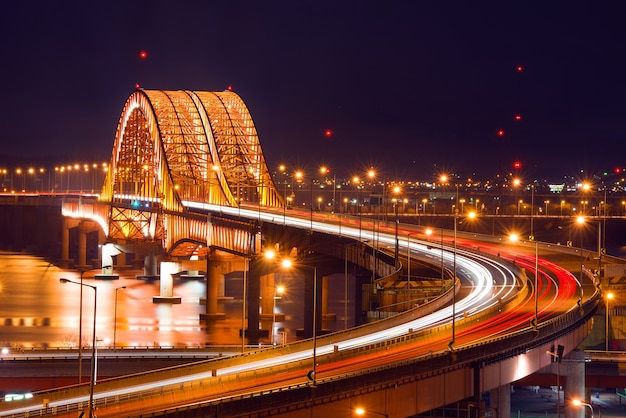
(168, 268)
(214, 277)
(255, 271)
(65, 242)
(573, 369)
(500, 401)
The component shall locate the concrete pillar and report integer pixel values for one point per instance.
(252, 301)
(150, 265)
(82, 245)
(500, 401)
(168, 268)
(573, 370)
(121, 260)
(326, 316)
(309, 300)
(267, 296)
(214, 276)
(65, 241)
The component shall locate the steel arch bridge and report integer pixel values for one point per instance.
(176, 147)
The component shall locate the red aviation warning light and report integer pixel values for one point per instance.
(143, 55)
(517, 165)
(500, 132)
(229, 88)
(518, 117)
(519, 68)
(328, 133)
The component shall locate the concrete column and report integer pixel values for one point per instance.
(150, 265)
(500, 401)
(168, 268)
(267, 296)
(309, 300)
(252, 301)
(82, 245)
(573, 370)
(214, 276)
(65, 241)
(326, 316)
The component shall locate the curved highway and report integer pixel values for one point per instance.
(487, 283)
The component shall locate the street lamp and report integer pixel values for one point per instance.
(93, 344)
(325, 171)
(115, 316)
(454, 284)
(396, 190)
(278, 290)
(578, 402)
(580, 220)
(429, 232)
(609, 296)
(361, 412)
(535, 320)
(357, 181)
(557, 357)
(312, 374)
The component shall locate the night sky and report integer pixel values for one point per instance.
(412, 88)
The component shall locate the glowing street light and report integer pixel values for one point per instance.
(94, 343)
(514, 238)
(362, 412)
(580, 220)
(287, 264)
(557, 357)
(578, 402)
(609, 296)
(278, 290)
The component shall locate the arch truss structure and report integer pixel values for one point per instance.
(176, 147)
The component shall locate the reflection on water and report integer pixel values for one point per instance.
(37, 310)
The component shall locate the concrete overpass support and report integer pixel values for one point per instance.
(214, 277)
(500, 401)
(253, 292)
(83, 229)
(65, 241)
(150, 265)
(573, 370)
(327, 317)
(168, 268)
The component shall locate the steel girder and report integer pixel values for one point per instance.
(177, 146)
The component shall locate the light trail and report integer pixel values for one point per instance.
(486, 283)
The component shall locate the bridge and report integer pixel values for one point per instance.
(188, 179)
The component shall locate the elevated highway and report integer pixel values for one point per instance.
(411, 351)
(187, 176)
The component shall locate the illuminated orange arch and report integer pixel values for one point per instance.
(177, 146)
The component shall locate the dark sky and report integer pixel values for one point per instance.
(409, 87)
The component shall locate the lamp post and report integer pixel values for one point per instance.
(325, 171)
(312, 374)
(115, 316)
(282, 168)
(578, 402)
(278, 290)
(609, 296)
(454, 284)
(356, 180)
(396, 190)
(246, 266)
(93, 344)
(580, 220)
(558, 359)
